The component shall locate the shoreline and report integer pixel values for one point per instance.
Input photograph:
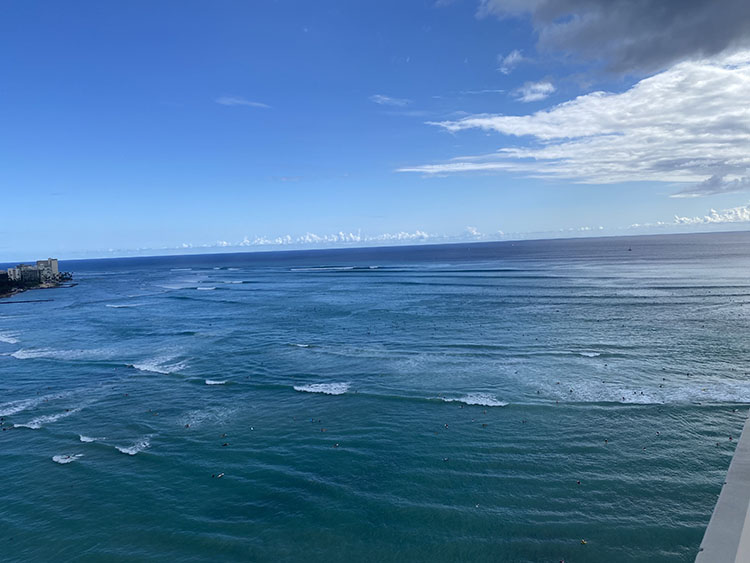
(19, 290)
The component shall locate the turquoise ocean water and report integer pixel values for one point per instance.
(484, 402)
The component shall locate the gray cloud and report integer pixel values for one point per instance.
(632, 36)
(716, 184)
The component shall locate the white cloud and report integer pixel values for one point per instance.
(341, 237)
(237, 101)
(383, 100)
(683, 125)
(510, 61)
(534, 91)
(734, 215)
(473, 232)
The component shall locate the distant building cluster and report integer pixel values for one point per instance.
(44, 271)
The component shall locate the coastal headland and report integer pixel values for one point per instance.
(45, 274)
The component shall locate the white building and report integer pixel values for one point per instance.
(43, 271)
(48, 269)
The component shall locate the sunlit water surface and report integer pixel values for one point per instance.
(409, 404)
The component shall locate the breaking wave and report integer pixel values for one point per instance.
(482, 399)
(325, 388)
(9, 337)
(52, 354)
(162, 365)
(63, 459)
(215, 381)
(136, 447)
(38, 422)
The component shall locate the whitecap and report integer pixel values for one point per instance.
(13, 407)
(590, 354)
(87, 439)
(51, 354)
(128, 306)
(215, 381)
(9, 337)
(326, 388)
(205, 288)
(482, 399)
(160, 365)
(136, 447)
(40, 421)
(63, 459)
(324, 269)
(216, 415)
(300, 345)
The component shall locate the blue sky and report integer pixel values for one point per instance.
(160, 127)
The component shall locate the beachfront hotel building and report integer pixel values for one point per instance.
(43, 271)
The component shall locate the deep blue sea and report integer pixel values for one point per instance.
(476, 402)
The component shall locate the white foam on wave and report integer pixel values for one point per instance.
(651, 393)
(9, 337)
(163, 365)
(52, 354)
(136, 447)
(325, 388)
(324, 269)
(128, 306)
(26, 354)
(88, 439)
(38, 422)
(300, 345)
(20, 405)
(13, 407)
(590, 354)
(482, 399)
(216, 415)
(63, 459)
(233, 281)
(215, 381)
(205, 288)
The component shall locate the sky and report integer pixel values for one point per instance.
(142, 127)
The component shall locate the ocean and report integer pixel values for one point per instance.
(472, 402)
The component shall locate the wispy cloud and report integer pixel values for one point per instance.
(478, 92)
(506, 63)
(534, 91)
(237, 101)
(383, 100)
(683, 125)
